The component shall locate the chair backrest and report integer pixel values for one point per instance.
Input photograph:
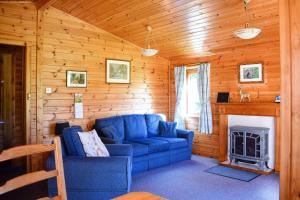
(37, 176)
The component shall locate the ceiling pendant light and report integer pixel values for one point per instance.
(148, 51)
(247, 32)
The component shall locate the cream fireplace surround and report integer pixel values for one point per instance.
(248, 109)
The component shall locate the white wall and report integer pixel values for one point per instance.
(257, 121)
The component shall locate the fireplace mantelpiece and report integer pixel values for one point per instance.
(254, 109)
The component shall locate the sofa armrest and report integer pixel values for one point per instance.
(119, 149)
(189, 135)
(106, 140)
(90, 174)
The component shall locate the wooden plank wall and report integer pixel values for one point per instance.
(67, 43)
(18, 24)
(71, 44)
(290, 106)
(224, 77)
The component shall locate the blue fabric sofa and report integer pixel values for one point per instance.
(92, 178)
(150, 149)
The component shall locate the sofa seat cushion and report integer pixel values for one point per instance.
(138, 149)
(135, 126)
(175, 143)
(154, 145)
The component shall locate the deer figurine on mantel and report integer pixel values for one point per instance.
(244, 96)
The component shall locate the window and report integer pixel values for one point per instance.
(192, 93)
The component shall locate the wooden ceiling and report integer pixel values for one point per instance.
(189, 28)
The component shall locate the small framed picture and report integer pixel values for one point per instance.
(251, 73)
(76, 79)
(117, 71)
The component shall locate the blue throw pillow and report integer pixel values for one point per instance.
(167, 129)
(152, 122)
(110, 132)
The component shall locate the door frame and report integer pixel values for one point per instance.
(27, 64)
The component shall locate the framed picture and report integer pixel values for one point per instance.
(250, 73)
(76, 79)
(117, 71)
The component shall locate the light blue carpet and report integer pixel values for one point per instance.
(232, 173)
(187, 180)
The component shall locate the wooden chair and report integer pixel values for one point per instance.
(37, 176)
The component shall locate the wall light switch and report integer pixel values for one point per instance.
(48, 90)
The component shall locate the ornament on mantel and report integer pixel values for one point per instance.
(244, 96)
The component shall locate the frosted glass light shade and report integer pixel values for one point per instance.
(247, 33)
(149, 52)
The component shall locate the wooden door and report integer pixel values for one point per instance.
(12, 98)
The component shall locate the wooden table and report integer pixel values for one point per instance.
(139, 196)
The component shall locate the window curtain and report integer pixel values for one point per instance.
(205, 114)
(180, 87)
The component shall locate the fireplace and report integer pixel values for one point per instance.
(249, 145)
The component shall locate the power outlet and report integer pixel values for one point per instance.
(48, 90)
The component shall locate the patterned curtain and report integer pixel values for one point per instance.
(180, 87)
(205, 118)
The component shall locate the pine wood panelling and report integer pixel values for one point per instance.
(18, 26)
(65, 42)
(290, 119)
(69, 43)
(183, 30)
(224, 78)
(39, 66)
(43, 4)
(183, 27)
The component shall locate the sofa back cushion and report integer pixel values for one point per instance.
(111, 123)
(152, 122)
(135, 126)
(72, 141)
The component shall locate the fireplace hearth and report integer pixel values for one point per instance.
(249, 145)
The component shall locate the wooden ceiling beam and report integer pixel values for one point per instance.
(43, 4)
